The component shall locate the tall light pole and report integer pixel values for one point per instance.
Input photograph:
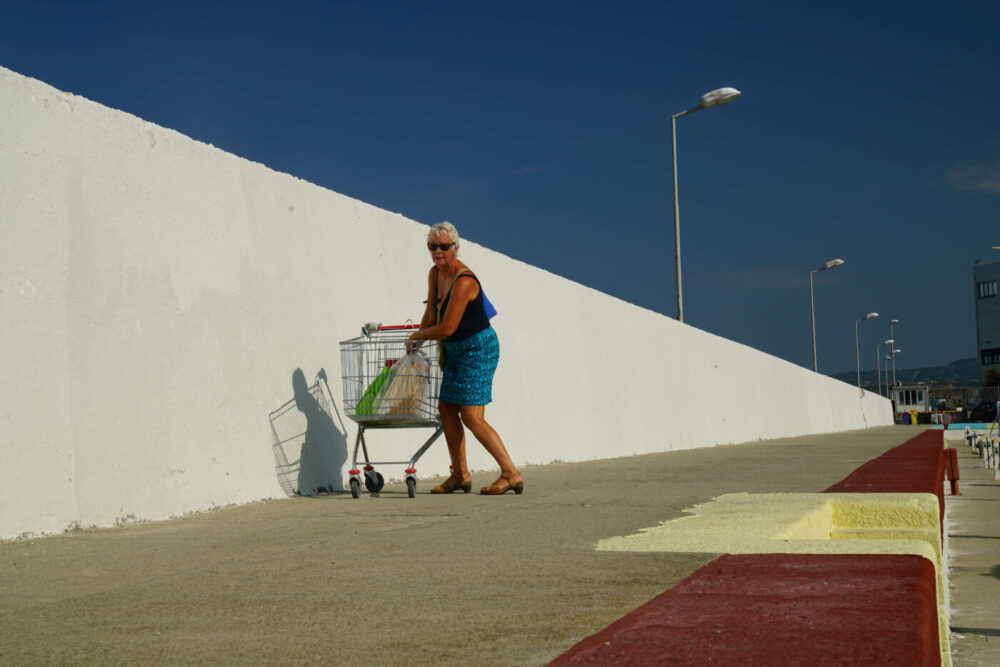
(893, 336)
(878, 367)
(878, 362)
(857, 348)
(812, 304)
(708, 100)
(888, 390)
(894, 352)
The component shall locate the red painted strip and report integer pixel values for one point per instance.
(781, 609)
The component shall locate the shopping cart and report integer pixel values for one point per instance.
(386, 388)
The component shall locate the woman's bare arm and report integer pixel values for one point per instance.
(430, 310)
(462, 293)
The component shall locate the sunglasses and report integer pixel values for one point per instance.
(445, 247)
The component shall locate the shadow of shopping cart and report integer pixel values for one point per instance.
(309, 448)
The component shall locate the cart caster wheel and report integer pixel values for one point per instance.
(411, 487)
(374, 481)
(355, 487)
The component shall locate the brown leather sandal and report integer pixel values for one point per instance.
(495, 489)
(452, 484)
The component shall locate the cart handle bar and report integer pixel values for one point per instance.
(393, 327)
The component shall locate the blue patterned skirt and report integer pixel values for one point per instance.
(468, 373)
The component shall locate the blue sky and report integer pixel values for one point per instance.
(866, 132)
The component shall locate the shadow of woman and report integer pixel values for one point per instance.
(324, 449)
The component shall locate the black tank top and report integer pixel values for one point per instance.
(474, 318)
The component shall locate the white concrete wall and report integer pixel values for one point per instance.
(158, 294)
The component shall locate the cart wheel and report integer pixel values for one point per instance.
(355, 487)
(411, 487)
(374, 481)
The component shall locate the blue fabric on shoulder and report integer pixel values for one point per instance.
(490, 309)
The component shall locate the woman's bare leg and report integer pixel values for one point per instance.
(454, 435)
(474, 417)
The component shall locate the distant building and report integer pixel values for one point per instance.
(911, 397)
(987, 280)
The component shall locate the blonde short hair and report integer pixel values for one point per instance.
(444, 228)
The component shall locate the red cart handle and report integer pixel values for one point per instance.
(396, 327)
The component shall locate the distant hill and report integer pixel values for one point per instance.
(963, 372)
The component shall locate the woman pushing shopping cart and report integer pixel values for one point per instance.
(456, 314)
(393, 380)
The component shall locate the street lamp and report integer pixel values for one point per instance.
(893, 336)
(878, 368)
(857, 349)
(812, 304)
(888, 390)
(894, 352)
(878, 363)
(708, 100)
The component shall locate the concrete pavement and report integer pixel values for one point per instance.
(445, 580)
(973, 547)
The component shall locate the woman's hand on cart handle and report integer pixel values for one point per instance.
(413, 344)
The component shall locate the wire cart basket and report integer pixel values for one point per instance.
(386, 388)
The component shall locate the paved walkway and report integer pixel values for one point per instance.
(973, 541)
(446, 580)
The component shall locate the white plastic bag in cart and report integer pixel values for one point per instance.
(407, 390)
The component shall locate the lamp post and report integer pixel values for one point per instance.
(878, 368)
(812, 304)
(708, 100)
(857, 348)
(893, 352)
(888, 390)
(878, 362)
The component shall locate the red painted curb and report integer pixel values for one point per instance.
(781, 609)
(917, 464)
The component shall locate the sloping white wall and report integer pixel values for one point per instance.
(158, 295)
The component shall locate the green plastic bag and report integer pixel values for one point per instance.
(373, 394)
